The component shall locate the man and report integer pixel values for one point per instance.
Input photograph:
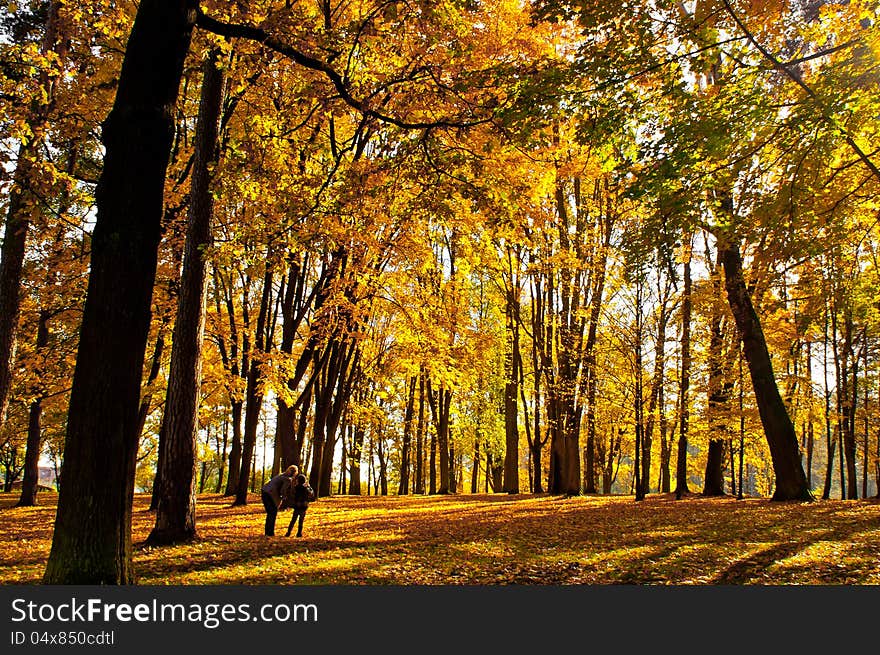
(273, 491)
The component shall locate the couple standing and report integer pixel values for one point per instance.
(292, 487)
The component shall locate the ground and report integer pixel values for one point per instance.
(491, 539)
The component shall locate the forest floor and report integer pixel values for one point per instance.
(491, 539)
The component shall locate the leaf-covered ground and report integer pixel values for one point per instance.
(499, 539)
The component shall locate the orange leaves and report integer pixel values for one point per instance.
(494, 540)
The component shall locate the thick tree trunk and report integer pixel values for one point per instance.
(713, 483)
(92, 538)
(432, 465)
(444, 402)
(176, 510)
(791, 482)
(285, 416)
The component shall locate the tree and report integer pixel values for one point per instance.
(92, 539)
(22, 205)
(175, 514)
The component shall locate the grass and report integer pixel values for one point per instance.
(492, 539)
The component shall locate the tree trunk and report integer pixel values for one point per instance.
(21, 206)
(440, 404)
(681, 484)
(420, 438)
(511, 391)
(847, 395)
(155, 367)
(809, 420)
(791, 482)
(92, 538)
(865, 417)
(383, 464)
(253, 395)
(354, 472)
(590, 370)
(31, 480)
(713, 479)
(176, 510)
(829, 441)
(475, 469)
(432, 466)
(655, 397)
(234, 472)
(403, 488)
(221, 469)
(641, 448)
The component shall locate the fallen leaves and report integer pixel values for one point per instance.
(483, 539)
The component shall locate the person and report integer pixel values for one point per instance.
(272, 493)
(303, 494)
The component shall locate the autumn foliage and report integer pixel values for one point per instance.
(455, 248)
(526, 540)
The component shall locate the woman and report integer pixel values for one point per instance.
(273, 491)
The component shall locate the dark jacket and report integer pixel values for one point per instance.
(277, 487)
(303, 494)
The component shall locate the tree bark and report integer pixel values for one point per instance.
(511, 392)
(713, 478)
(31, 480)
(92, 538)
(403, 487)
(20, 209)
(11, 264)
(354, 462)
(641, 448)
(681, 484)
(791, 482)
(176, 510)
(253, 395)
(420, 438)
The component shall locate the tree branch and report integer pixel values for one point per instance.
(794, 77)
(231, 31)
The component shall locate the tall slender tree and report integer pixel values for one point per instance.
(175, 514)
